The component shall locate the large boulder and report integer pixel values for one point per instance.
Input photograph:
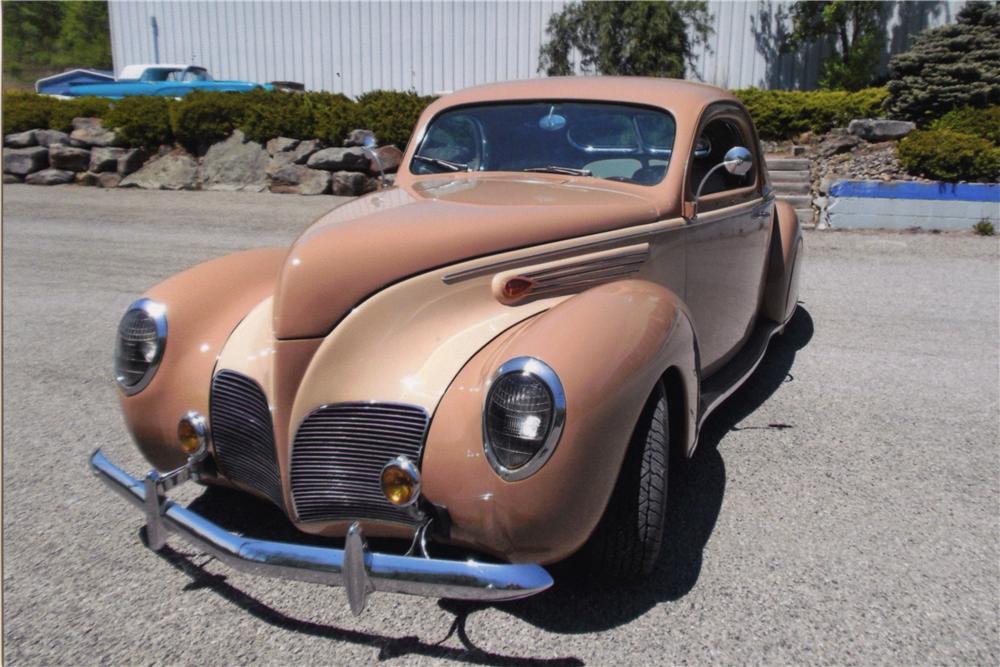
(340, 159)
(105, 159)
(390, 157)
(235, 164)
(131, 160)
(349, 183)
(12, 178)
(23, 161)
(873, 129)
(306, 149)
(836, 144)
(358, 137)
(49, 137)
(87, 178)
(279, 162)
(20, 139)
(296, 179)
(89, 132)
(173, 171)
(68, 158)
(281, 145)
(109, 179)
(50, 177)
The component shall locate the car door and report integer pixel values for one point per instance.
(727, 236)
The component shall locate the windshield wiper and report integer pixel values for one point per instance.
(452, 166)
(556, 169)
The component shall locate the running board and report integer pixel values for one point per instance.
(730, 377)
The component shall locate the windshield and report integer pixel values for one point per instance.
(613, 141)
(189, 74)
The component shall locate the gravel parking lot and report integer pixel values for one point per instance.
(843, 507)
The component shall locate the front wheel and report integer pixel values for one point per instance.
(627, 540)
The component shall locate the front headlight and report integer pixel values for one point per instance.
(142, 335)
(523, 417)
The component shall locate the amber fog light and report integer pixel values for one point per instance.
(191, 432)
(401, 481)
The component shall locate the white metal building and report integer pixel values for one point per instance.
(438, 45)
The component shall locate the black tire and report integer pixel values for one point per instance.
(626, 542)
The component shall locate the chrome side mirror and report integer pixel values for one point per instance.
(737, 161)
(369, 148)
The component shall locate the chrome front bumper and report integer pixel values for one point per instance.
(354, 567)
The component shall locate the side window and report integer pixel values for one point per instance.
(716, 139)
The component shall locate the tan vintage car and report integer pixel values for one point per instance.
(498, 357)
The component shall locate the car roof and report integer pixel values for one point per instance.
(135, 71)
(681, 97)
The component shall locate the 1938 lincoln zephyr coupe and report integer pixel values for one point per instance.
(502, 354)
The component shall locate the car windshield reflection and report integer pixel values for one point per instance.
(618, 142)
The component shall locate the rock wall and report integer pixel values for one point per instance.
(93, 155)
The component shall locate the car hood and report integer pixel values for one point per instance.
(360, 247)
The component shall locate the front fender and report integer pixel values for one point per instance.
(204, 304)
(609, 346)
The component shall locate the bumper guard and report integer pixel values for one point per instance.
(360, 571)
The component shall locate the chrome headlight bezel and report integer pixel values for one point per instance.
(157, 312)
(542, 372)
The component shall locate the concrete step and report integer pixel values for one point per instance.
(806, 216)
(789, 176)
(787, 163)
(798, 201)
(781, 188)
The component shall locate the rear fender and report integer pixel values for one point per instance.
(203, 305)
(781, 291)
(609, 346)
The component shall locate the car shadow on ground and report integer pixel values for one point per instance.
(695, 498)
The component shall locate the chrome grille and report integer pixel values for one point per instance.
(338, 455)
(243, 434)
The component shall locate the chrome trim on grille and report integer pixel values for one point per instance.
(338, 455)
(243, 434)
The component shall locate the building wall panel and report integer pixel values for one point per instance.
(434, 46)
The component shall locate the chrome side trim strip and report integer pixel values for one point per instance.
(648, 231)
(538, 258)
(356, 568)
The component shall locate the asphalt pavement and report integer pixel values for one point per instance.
(843, 506)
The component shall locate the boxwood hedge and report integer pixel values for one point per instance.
(961, 144)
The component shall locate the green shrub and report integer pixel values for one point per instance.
(24, 111)
(968, 120)
(200, 119)
(949, 156)
(391, 114)
(782, 114)
(270, 114)
(141, 121)
(984, 228)
(949, 67)
(65, 111)
(335, 115)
